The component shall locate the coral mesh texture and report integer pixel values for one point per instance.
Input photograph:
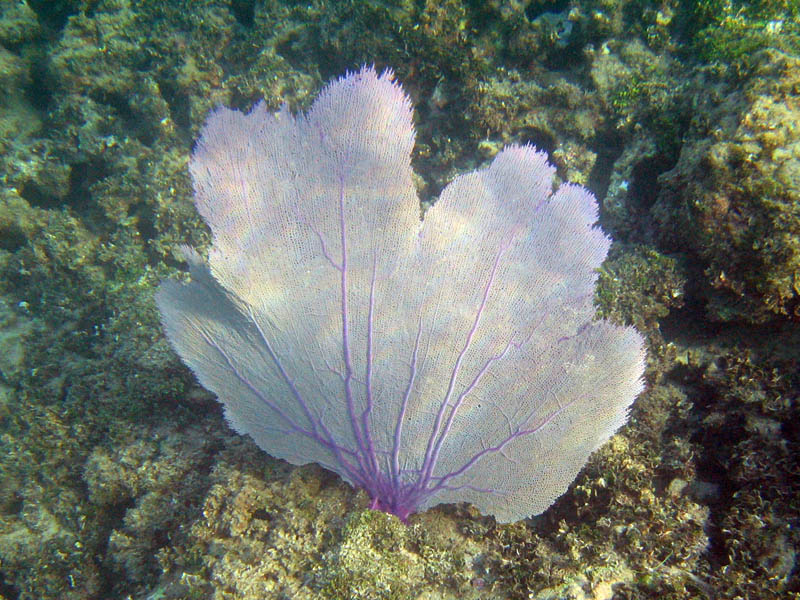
(444, 360)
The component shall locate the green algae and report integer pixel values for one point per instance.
(728, 33)
(639, 286)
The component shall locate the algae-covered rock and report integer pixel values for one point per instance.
(373, 560)
(733, 199)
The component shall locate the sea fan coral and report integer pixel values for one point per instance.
(445, 360)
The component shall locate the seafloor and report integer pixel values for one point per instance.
(118, 475)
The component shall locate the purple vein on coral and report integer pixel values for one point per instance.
(398, 430)
(348, 364)
(368, 375)
(437, 436)
(499, 447)
(338, 450)
(297, 395)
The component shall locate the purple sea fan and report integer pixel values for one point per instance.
(445, 360)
